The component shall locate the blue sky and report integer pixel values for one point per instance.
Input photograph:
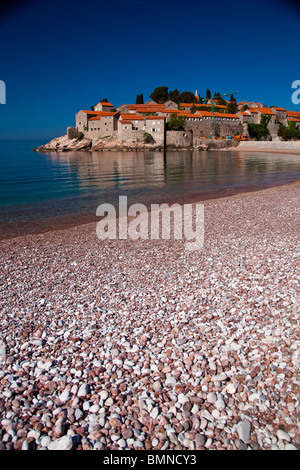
(61, 56)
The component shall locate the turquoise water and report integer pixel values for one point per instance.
(35, 186)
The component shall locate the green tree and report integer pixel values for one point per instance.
(174, 95)
(176, 123)
(208, 94)
(105, 100)
(187, 97)
(160, 94)
(148, 138)
(232, 107)
(139, 99)
(220, 100)
(290, 132)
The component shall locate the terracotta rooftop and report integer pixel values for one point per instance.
(99, 113)
(132, 116)
(199, 105)
(154, 118)
(216, 114)
(265, 110)
(293, 113)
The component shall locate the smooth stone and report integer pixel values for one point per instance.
(244, 429)
(83, 391)
(64, 396)
(63, 443)
(283, 436)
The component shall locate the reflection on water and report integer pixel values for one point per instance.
(75, 182)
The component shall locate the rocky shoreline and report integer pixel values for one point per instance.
(64, 144)
(140, 345)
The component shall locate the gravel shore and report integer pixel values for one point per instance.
(142, 345)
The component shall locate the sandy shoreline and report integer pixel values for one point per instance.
(264, 150)
(141, 345)
(288, 147)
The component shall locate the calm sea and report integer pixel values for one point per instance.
(37, 189)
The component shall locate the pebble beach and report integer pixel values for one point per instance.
(120, 344)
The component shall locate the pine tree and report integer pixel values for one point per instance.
(139, 99)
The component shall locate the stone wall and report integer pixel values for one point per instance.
(131, 136)
(179, 139)
(203, 129)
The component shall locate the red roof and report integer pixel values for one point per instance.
(192, 115)
(199, 105)
(99, 113)
(265, 110)
(132, 116)
(154, 118)
(216, 114)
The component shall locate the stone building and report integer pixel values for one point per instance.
(132, 128)
(104, 106)
(96, 124)
(102, 125)
(281, 114)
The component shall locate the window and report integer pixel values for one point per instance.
(153, 130)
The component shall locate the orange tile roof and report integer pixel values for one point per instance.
(154, 118)
(216, 114)
(293, 113)
(294, 119)
(134, 117)
(146, 106)
(125, 122)
(278, 109)
(175, 111)
(99, 113)
(192, 115)
(200, 105)
(96, 118)
(104, 103)
(265, 111)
